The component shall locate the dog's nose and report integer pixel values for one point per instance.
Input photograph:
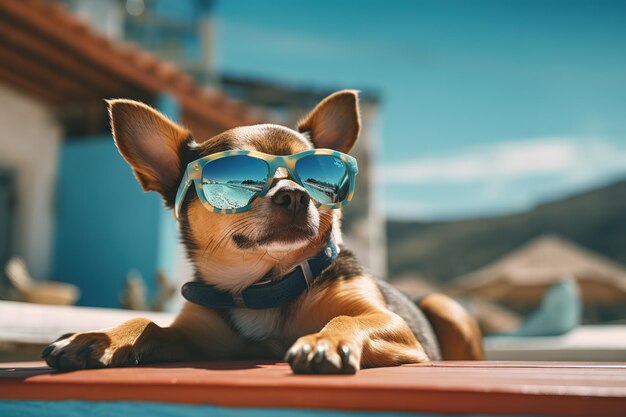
(292, 200)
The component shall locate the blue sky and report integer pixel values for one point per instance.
(488, 107)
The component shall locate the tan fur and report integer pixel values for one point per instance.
(339, 325)
(352, 313)
(335, 122)
(458, 333)
(142, 134)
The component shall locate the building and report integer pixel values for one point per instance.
(70, 205)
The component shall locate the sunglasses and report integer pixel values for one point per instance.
(228, 182)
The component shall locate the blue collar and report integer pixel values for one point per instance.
(267, 294)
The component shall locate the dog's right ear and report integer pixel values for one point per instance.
(151, 144)
(335, 122)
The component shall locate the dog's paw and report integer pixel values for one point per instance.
(75, 351)
(317, 354)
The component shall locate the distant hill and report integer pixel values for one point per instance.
(443, 250)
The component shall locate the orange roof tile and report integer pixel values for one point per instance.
(53, 55)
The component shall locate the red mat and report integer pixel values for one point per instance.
(556, 388)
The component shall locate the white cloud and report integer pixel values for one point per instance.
(499, 178)
(572, 159)
(408, 209)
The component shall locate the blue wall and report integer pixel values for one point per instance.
(106, 225)
(168, 226)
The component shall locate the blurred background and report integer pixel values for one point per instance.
(492, 157)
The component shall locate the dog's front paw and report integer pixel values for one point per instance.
(319, 354)
(75, 351)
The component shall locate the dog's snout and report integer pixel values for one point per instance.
(292, 200)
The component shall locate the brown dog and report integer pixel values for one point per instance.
(342, 320)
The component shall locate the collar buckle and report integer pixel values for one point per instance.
(238, 300)
(306, 271)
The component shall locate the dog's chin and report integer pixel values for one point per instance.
(289, 237)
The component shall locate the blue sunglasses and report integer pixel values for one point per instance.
(228, 182)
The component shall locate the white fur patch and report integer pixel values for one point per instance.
(236, 277)
(107, 356)
(59, 346)
(255, 324)
(285, 246)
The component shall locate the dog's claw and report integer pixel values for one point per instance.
(53, 361)
(46, 351)
(133, 359)
(345, 353)
(348, 366)
(301, 361)
(320, 354)
(290, 355)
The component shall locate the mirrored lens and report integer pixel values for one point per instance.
(325, 177)
(233, 181)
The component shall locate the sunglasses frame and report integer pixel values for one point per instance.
(193, 173)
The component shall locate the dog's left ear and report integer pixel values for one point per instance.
(151, 144)
(335, 122)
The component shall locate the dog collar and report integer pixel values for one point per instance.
(267, 294)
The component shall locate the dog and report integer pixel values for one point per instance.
(259, 214)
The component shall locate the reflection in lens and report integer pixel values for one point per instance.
(325, 177)
(233, 181)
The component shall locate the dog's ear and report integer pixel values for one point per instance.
(151, 144)
(335, 122)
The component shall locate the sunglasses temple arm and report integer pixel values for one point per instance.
(180, 194)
